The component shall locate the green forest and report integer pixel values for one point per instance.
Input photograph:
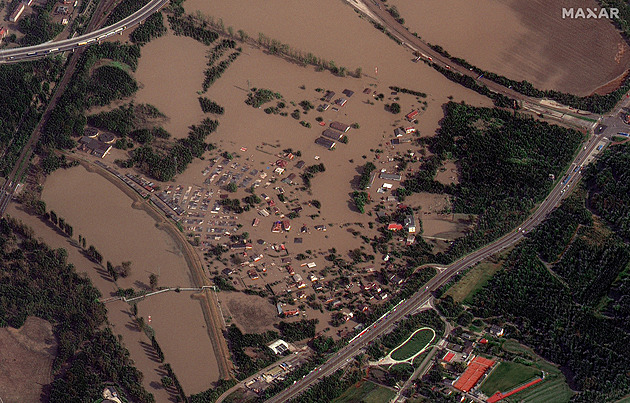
(89, 356)
(565, 288)
(505, 162)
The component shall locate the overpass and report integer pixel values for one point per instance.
(15, 55)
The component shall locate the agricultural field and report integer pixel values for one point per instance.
(553, 388)
(416, 343)
(507, 376)
(474, 280)
(530, 40)
(365, 392)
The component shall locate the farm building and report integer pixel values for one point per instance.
(15, 15)
(412, 115)
(340, 126)
(473, 373)
(324, 142)
(332, 134)
(391, 177)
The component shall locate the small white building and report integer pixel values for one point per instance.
(279, 346)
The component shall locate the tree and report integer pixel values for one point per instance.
(167, 382)
(125, 269)
(394, 108)
(153, 281)
(232, 187)
(53, 217)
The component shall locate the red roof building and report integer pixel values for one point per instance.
(412, 115)
(394, 227)
(448, 357)
(473, 373)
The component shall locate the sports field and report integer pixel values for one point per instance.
(507, 376)
(412, 346)
(365, 392)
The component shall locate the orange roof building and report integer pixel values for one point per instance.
(473, 373)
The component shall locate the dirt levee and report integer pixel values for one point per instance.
(27, 356)
(524, 40)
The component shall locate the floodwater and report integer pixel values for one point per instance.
(103, 214)
(170, 72)
(524, 40)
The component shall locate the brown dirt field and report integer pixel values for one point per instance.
(27, 357)
(251, 313)
(524, 40)
(448, 174)
(611, 85)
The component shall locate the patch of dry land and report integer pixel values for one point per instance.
(27, 357)
(103, 214)
(524, 40)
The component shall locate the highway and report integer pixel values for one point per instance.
(421, 297)
(14, 55)
(387, 322)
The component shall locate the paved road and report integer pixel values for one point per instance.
(388, 321)
(422, 48)
(27, 53)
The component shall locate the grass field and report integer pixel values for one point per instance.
(507, 376)
(420, 339)
(553, 388)
(365, 392)
(473, 281)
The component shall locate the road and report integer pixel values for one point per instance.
(28, 53)
(573, 175)
(377, 9)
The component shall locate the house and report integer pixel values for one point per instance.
(412, 115)
(323, 107)
(324, 142)
(410, 224)
(277, 226)
(281, 163)
(279, 347)
(292, 312)
(411, 239)
(496, 331)
(279, 308)
(468, 348)
(252, 274)
(347, 93)
(3, 32)
(390, 177)
(332, 134)
(297, 278)
(256, 222)
(329, 96)
(410, 129)
(340, 101)
(94, 147)
(340, 126)
(394, 227)
(399, 132)
(301, 295)
(300, 164)
(286, 225)
(15, 15)
(300, 284)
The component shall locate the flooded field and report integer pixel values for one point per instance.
(104, 215)
(170, 73)
(529, 40)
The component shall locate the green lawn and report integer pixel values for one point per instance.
(507, 376)
(552, 389)
(473, 281)
(417, 342)
(365, 392)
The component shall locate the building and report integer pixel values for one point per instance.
(347, 93)
(324, 142)
(332, 134)
(340, 101)
(3, 32)
(411, 115)
(91, 132)
(300, 164)
(94, 147)
(15, 15)
(277, 226)
(399, 132)
(286, 225)
(328, 96)
(410, 223)
(279, 308)
(340, 126)
(107, 138)
(473, 373)
(394, 227)
(410, 129)
(496, 331)
(390, 177)
(279, 346)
